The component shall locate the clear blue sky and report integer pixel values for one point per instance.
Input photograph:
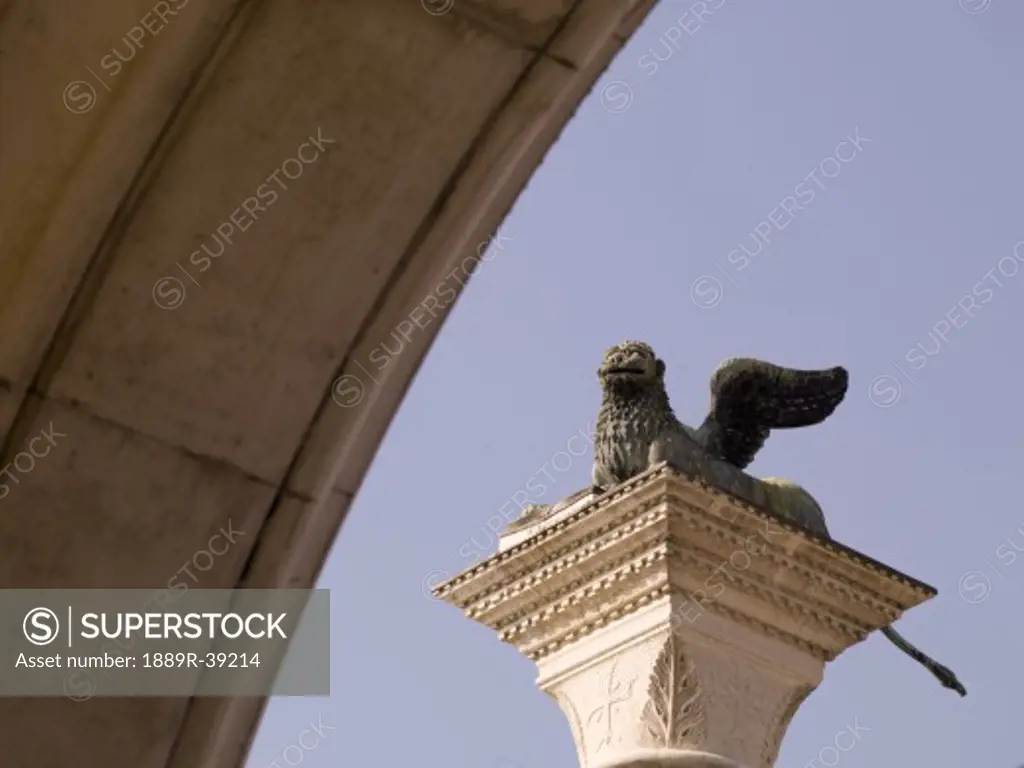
(626, 213)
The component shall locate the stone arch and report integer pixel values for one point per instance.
(179, 420)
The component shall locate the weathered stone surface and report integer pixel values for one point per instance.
(179, 419)
(676, 625)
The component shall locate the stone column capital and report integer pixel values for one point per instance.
(677, 625)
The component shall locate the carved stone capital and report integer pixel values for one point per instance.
(651, 682)
(677, 625)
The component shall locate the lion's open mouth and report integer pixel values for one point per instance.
(624, 370)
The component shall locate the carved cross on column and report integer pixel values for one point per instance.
(602, 715)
